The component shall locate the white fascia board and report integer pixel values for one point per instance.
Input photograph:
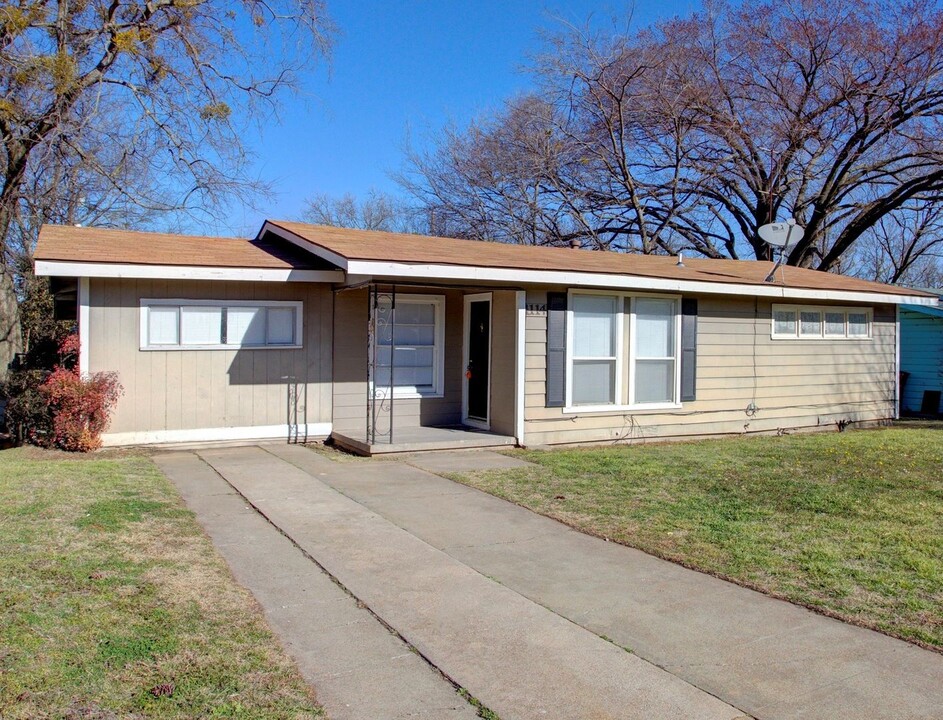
(310, 247)
(61, 268)
(477, 274)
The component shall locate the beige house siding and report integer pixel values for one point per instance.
(177, 390)
(792, 383)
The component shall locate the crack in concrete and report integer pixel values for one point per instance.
(474, 702)
(446, 548)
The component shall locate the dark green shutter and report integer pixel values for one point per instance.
(556, 349)
(688, 349)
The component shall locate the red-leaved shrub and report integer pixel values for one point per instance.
(80, 405)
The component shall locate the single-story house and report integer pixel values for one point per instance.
(921, 359)
(395, 342)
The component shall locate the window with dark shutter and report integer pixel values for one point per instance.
(556, 349)
(688, 349)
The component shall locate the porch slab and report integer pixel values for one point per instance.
(422, 439)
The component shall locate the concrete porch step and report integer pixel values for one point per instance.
(421, 439)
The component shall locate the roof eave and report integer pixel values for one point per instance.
(513, 276)
(68, 268)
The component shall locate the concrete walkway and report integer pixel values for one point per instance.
(420, 552)
(361, 671)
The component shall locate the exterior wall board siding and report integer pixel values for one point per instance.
(793, 383)
(180, 390)
(921, 355)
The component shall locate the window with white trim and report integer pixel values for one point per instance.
(410, 348)
(623, 351)
(807, 322)
(655, 354)
(220, 324)
(595, 335)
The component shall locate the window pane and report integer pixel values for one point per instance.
(281, 326)
(810, 323)
(857, 324)
(411, 356)
(594, 382)
(784, 322)
(410, 313)
(654, 327)
(201, 325)
(594, 326)
(413, 338)
(245, 326)
(835, 324)
(161, 325)
(654, 381)
(413, 334)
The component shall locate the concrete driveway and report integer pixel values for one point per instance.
(524, 614)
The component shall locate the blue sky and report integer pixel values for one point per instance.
(406, 66)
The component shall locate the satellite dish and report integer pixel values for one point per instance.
(781, 235)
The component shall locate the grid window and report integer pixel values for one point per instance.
(811, 323)
(214, 325)
(409, 350)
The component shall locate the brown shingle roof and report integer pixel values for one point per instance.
(419, 249)
(98, 245)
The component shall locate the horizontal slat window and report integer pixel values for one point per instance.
(219, 325)
(807, 322)
(410, 352)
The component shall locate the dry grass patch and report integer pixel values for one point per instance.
(113, 603)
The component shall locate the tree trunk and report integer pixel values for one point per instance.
(11, 340)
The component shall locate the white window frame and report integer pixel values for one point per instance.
(438, 352)
(621, 360)
(822, 310)
(147, 303)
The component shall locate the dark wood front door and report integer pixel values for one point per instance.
(479, 351)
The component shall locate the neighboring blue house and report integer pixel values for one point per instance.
(921, 357)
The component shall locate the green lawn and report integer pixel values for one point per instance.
(113, 603)
(847, 523)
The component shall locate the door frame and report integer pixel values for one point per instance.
(466, 321)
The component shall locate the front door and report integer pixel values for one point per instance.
(477, 386)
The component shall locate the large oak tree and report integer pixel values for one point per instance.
(692, 134)
(127, 110)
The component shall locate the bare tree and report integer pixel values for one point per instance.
(378, 211)
(132, 105)
(905, 247)
(694, 133)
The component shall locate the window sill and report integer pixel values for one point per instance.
(819, 338)
(619, 409)
(408, 395)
